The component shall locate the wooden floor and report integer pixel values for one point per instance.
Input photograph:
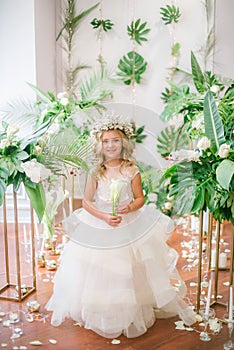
(161, 336)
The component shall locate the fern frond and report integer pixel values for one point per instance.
(96, 86)
(77, 154)
(21, 112)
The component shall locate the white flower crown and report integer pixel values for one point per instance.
(113, 122)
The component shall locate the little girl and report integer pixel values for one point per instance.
(116, 271)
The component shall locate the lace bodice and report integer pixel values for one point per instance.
(103, 194)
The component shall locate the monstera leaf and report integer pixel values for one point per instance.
(170, 140)
(132, 67)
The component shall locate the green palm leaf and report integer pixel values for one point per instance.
(40, 93)
(96, 86)
(169, 141)
(137, 31)
(71, 21)
(170, 14)
(213, 123)
(21, 112)
(78, 153)
(198, 77)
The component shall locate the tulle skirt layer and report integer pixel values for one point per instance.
(121, 290)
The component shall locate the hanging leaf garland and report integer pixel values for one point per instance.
(132, 66)
(137, 31)
(170, 14)
(106, 24)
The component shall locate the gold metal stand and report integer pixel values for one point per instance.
(16, 291)
(212, 270)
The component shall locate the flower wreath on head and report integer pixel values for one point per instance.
(113, 122)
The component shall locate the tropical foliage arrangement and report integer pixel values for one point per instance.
(202, 177)
(30, 160)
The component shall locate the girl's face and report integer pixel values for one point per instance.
(112, 144)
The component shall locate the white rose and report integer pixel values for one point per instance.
(64, 101)
(152, 197)
(214, 88)
(168, 205)
(224, 150)
(203, 143)
(12, 129)
(38, 149)
(183, 154)
(62, 95)
(35, 171)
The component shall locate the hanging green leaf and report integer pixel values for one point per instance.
(138, 134)
(105, 24)
(198, 77)
(175, 50)
(213, 123)
(170, 14)
(137, 31)
(132, 66)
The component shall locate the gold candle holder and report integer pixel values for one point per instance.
(12, 290)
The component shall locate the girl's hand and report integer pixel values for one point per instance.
(123, 209)
(112, 220)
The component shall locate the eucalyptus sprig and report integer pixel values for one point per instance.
(137, 31)
(105, 24)
(170, 14)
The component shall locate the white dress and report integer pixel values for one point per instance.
(118, 280)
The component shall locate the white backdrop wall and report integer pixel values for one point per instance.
(29, 52)
(190, 32)
(17, 45)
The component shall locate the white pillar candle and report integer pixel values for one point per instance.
(205, 220)
(222, 260)
(25, 235)
(208, 298)
(230, 314)
(213, 258)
